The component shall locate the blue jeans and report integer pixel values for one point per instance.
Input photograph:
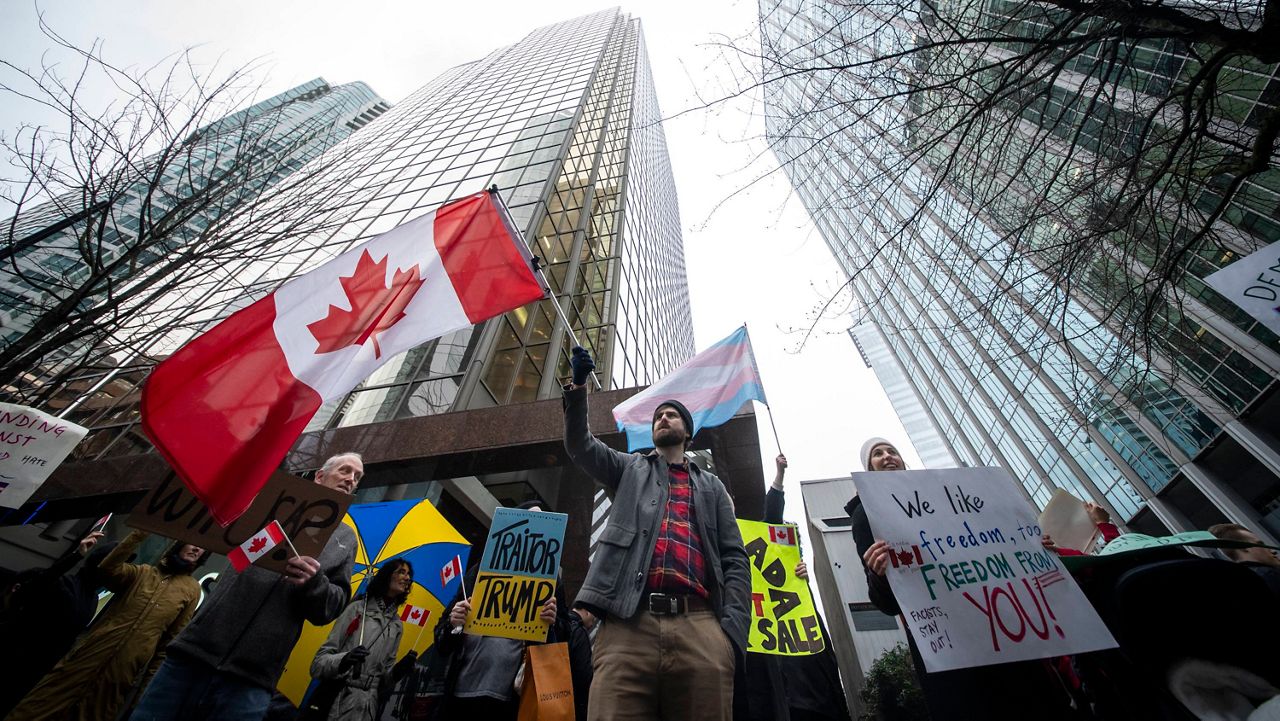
(190, 690)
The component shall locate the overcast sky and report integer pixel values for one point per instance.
(755, 258)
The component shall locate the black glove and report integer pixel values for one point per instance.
(404, 665)
(581, 364)
(354, 659)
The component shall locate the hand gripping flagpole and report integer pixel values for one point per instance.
(462, 581)
(756, 366)
(536, 265)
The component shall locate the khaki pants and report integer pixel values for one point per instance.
(651, 667)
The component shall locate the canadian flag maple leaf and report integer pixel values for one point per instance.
(905, 557)
(416, 613)
(375, 306)
(257, 545)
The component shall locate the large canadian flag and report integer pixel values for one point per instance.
(227, 406)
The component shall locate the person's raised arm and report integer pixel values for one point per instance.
(1102, 519)
(117, 575)
(775, 500)
(598, 460)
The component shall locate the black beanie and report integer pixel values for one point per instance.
(684, 415)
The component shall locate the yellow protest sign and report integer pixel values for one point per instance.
(517, 574)
(784, 621)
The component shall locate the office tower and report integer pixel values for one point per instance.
(565, 124)
(1026, 373)
(133, 223)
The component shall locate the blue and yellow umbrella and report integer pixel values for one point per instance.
(413, 530)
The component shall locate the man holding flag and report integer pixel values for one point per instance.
(670, 576)
(226, 662)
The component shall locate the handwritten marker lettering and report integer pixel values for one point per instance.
(975, 584)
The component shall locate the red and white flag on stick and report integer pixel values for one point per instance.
(416, 615)
(258, 545)
(785, 535)
(451, 570)
(225, 408)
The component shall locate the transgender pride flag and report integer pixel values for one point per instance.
(713, 385)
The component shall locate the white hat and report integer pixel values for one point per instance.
(870, 445)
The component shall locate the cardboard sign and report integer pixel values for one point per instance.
(1253, 283)
(32, 444)
(517, 574)
(975, 585)
(1067, 521)
(784, 621)
(308, 512)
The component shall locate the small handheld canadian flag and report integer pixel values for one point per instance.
(101, 523)
(415, 614)
(451, 570)
(256, 547)
(785, 535)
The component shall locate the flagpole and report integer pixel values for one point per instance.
(752, 351)
(364, 616)
(523, 246)
(414, 646)
(286, 540)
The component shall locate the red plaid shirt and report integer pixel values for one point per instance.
(678, 565)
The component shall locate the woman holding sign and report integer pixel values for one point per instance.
(1023, 689)
(359, 656)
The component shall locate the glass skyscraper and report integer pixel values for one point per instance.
(565, 123)
(143, 221)
(1025, 375)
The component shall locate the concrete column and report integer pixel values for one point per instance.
(1258, 446)
(1236, 508)
(473, 496)
(1169, 516)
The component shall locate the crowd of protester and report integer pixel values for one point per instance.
(658, 629)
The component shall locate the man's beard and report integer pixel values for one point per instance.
(667, 437)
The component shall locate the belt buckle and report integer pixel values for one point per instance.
(663, 604)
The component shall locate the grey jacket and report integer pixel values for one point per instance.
(383, 628)
(638, 486)
(248, 627)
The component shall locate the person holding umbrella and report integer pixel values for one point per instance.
(359, 657)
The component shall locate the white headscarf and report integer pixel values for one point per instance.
(870, 445)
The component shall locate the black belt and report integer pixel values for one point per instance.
(670, 604)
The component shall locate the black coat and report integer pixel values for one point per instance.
(43, 618)
(810, 683)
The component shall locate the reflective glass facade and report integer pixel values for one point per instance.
(563, 122)
(247, 152)
(1020, 375)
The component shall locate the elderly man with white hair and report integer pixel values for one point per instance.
(227, 661)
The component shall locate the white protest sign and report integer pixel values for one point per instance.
(975, 585)
(1253, 283)
(32, 444)
(1067, 521)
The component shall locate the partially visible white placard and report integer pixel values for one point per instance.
(32, 444)
(1253, 283)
